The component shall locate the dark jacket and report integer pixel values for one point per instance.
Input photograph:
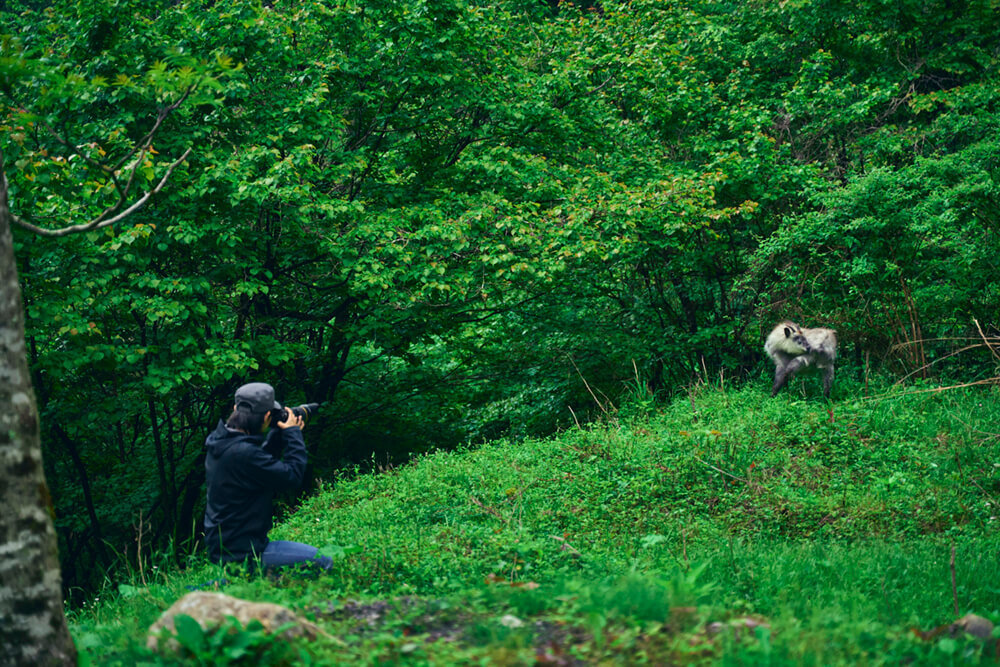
(243, 473)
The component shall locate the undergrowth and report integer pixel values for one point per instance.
(724, 527)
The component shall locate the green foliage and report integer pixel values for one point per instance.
(452, 222)
(230, 643)
(906, 250)
(724, 527)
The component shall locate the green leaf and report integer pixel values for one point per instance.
(189, 633)
(127, 591)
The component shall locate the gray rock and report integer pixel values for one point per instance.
(977, 626)
(211, 609)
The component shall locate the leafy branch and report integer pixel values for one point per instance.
(113, 213)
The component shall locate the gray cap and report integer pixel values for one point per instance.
(257, 397)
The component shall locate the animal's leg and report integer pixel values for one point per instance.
(783, 373)
(779, 380)
(827, 380)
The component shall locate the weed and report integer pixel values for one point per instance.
(829, 525)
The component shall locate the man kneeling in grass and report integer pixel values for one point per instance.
(244, 470)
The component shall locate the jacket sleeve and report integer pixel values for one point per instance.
(281, 474)
(274, 443)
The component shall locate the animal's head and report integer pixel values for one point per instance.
(795, 340)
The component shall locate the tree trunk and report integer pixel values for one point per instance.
(33, 629)
(88, 498)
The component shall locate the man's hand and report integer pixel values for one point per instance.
(293, 420)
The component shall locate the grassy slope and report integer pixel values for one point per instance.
(624, 541)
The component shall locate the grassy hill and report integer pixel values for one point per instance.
(724, 527)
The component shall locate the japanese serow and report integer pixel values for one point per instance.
(793, 348)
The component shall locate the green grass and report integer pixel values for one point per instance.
(833, 523)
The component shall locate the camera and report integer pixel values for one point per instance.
(306, 411)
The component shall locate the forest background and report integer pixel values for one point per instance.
(450, 221)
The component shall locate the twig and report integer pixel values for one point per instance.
(936, 339)
(937, 361)
(587, 385)
(992, 380)
(574, 417)
(98, 222)
(954, 589)
(867, 369)
(720, 470)
(986, 340)
(566, 545)
(488, 510)
(147, 140)
(141, 147)
(684, 549)
(958, 464)
(138, 552)
(985, 492)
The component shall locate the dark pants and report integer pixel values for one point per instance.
(280, 553)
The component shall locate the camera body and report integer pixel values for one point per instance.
(306, 411)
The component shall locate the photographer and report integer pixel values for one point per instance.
(244, 470)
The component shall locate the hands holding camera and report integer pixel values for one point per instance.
(293, 420)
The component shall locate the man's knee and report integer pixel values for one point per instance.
(285, 554)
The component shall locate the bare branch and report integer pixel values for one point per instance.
(144, 143)
(103, 168)
(141, 147)
(99, 222)
(937, 361)
(954, 589)
(123, 194)
(934, 390)
(488, 510)
(586, 384)
(986, 340)
(75, 150)
(720, 470)
(566, 546)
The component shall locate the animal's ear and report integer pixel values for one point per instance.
(788, 332)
